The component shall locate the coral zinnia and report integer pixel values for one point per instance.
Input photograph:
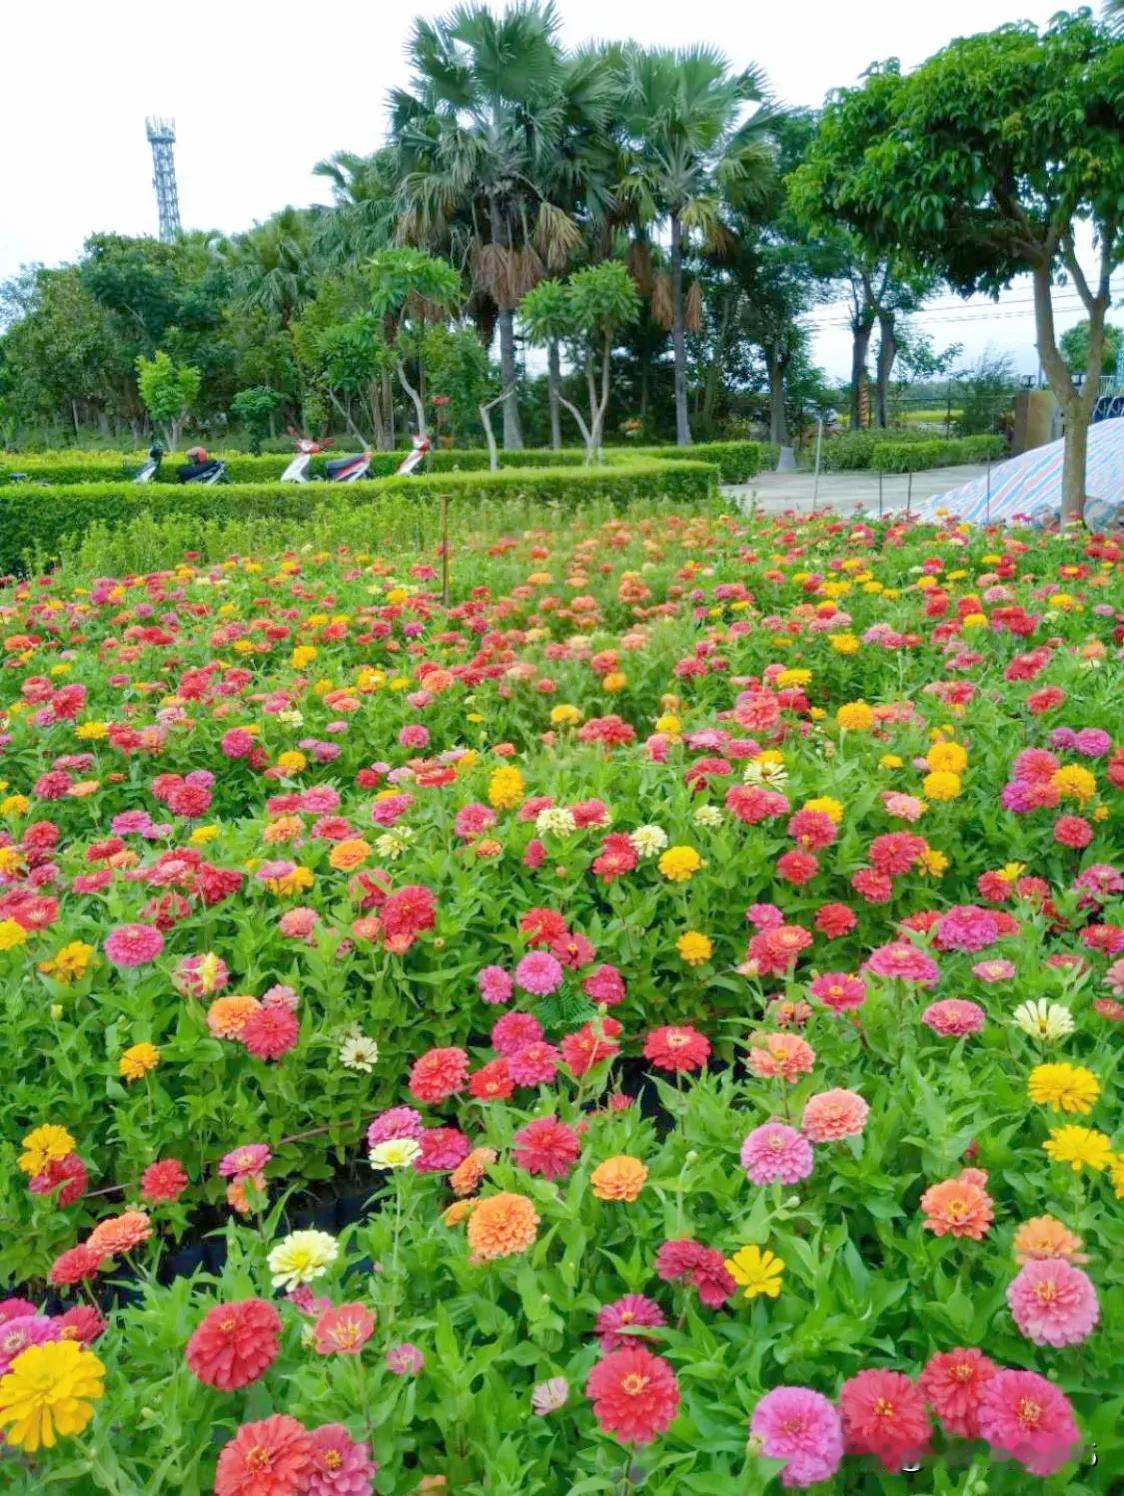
(802, 1428)
(1053, 1302)
(502, 1225)
(952, 1382)
(1028, 1417)
(677, 1047)
(833, 1115)
(635, 1394)
(270, 1033)
(959, 1207)
(163, 1181)
(48, 1391)
(884, 1415)
(270, 1458)
(547, 1147)
(1043, 1236)
(75, 1266)
(619, 1178)
(120, 1234)
(235, 1344)
(343, 1330)
(438, 1074)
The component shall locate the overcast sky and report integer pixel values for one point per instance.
(261, 92)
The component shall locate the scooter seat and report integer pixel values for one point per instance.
(338, 464)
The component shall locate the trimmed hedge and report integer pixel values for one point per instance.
(36, 519)
(737, 462)
(914, 457)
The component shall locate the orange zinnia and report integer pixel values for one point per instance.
(1043, 1236)
(619, 1178)
(227, 1016)
(502, 1225)
(959, 1207)
(466, 1178)
(120, 1234)
(349, 854)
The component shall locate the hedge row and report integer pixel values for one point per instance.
(736, 462)
(853, 451)
(914, 457)
(35, 520)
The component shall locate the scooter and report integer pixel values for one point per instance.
(341, 470)
(413, 459)
(200, 468)
(151, 469)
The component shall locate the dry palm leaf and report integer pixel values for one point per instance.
(692, 310)
(662, 303)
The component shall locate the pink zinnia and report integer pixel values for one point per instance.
(884, 1415)
(404, 1360)
(994, 970)
(343, 1330)
(442, 1149)
(495, 984)
(547, 1147)
(535, 1064)
(539, 973)
(1023, 1414)
(16, 1335)
(775, 1151)
(903, 962)
(341, 1466)
(633, 1311)
(838, 990)
(133, 945)
(687, 1261)
(515, 1030)
(952, 1382)
(251, 1158)
(833, 1115)
(397, 1122)
(953, 1017)
(802, 1428)
(1053, 1302)
(271, 1033)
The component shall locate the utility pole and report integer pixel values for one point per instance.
(162, 137)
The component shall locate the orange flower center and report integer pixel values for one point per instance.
(676, 1040)
(1046, 1292)
(333, 1459)
(227, 1324)
(1029, 1412)
(259, 1458)
(962, 1372)
(884, 1408)
(633, 1384)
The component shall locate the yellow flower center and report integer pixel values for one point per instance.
(634, 1384)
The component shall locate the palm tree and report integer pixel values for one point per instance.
(687, 145)
(362, 217)
(485, 144)
(272, 264)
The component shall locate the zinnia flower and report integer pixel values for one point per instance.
(1030, 1419)
(549, 1396)
(678, 1048)
(687, 1261)
(1065, 1088)
(133, 945)
(270, 1033)
(756, 1272)
(953, 1017)
(395, 1153)
(75, 1266)
(1053, 1302)
(884, 1415)
(163, 1181)
(502, 1225)
(619, 1178)
(952, 1382)
(547, 1147)
(633, 1311)
(959, 1207)
(1043, 1236)
(270, 1458)
(1080, 1147)
(48, 1392)
(341, 1465)
(786, 1056)
(120, 1234)
(235, 1344)
(539, 973)
(1043, 1020)
(802, 1428)
(45, 1145)
(404, 1360)
(832, 1115)
(634, 1393)
(439, 1074)
(302, 1257)
(343, 1330)
(776, 1151)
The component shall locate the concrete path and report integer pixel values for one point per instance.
(846, 492)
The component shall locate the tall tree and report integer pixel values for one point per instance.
(688, 143)
(981, 165)
(478, 138)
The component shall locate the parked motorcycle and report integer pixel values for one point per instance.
(151, 469)
(412, 462)
(200, 468)
(340, 470)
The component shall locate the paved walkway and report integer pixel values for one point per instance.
(846, 492)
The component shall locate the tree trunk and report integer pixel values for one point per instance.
(418, 402)
(1074, 457)
(553, 379)
(887, 353)
(860, 342)
(679, 334)
(512, 427)
(1076, 408)
(489, 437)
(778, 421)
(388, 406)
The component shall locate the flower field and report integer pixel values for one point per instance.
(652, 1023)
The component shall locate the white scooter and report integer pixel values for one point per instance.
(151, 469)
(413, 459)
(342, 470)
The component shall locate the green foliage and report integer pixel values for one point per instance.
(985, 394)
(1074, 344)
(602, 299)
(255, 409)
(915, 456)
(401, 280)
(169, 390)
(36, 520)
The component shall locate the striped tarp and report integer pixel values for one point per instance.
(1030, 486)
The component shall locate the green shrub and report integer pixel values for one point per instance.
(914, 457)
(35, 520)
(736, 462)
(852, 451)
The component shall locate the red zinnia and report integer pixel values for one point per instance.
(588, 1047)
(269, 1033)
(952, 1381)
(269, 1458)
(235, 1344)
(677, 1047)
(635, 1395)
(438, 1074)
(687, 1261)
(82, 1323)
(492, 1082)
(72, 1267)
(163, 1181)
(547, 1147)
(884, 1415)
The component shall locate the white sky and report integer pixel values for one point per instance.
(260, 92)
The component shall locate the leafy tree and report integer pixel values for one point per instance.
(594, 305)
(686, 144)
(986, 391)
(1074, 345)
(980, 165)
(409, 289)
(255, 408)
(547, 317)
(169, 391)
(459, 373)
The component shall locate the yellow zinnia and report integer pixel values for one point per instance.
(138, 1060)
(855, 716)
(506, 788)
(680, 864)
(947, 758)
(694, 947)
(45, 1145)
(941, 785)
(11, 934)
(1066, 1088)
(1080, 1147)
(48, 1391)
(757, 1272)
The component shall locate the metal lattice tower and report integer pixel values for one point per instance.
(162, 137)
